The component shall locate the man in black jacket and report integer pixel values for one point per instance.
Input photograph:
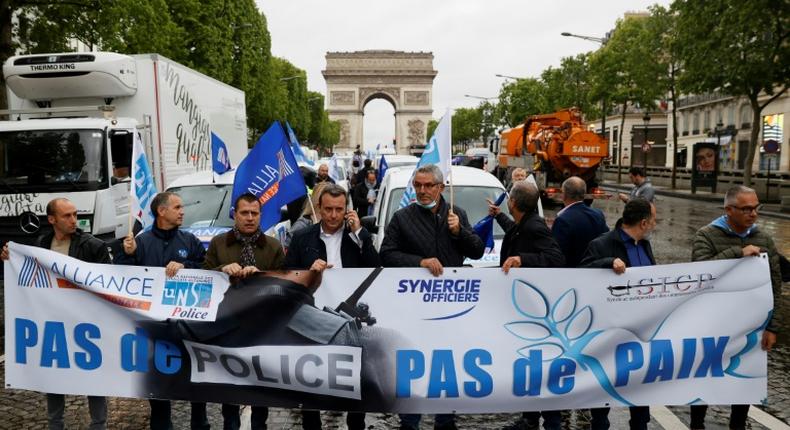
(528, 243)
(67, 239)
(576, 224)
(430, 234)
(339, 240)
(625, 246)
(364, 193)
(164, 245)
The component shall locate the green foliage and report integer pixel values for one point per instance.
(624, 71)
(432, 124)
(739, 48)
(520, 99)
(227, 40)
(466, 125)
(569, 85)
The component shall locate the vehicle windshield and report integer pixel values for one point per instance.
(469, 198)
(52, 160)
(206, 205)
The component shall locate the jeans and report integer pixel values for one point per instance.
(160, 416)
(311, 420)
(412, 421)
(56, 403)
(231, 420)
(738, 416)
(551, 419)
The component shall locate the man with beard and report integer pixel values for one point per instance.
(626, 245)
(323, 174)
(164, 245)
(429, 233)
(240, 252)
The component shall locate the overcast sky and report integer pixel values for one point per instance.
(471, 40)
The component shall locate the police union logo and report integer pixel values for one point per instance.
(187, 293)
(182, 253)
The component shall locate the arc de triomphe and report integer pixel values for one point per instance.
(404, 79)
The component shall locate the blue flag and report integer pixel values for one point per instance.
(295, 147)
(382, 169)
(270, 173)
(485, 227)
(143, 187)
(220, 160)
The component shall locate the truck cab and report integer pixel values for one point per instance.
(62, 140)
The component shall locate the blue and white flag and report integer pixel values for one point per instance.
(296, 148)
(143, 187)
(485, 227)
(382, 169)
(334, 169)
(271, 174)
(220, 160)
(436, 152)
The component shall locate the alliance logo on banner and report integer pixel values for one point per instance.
(471, 341)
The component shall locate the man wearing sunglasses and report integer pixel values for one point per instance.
(735, 235)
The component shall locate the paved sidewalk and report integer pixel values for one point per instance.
(771, 210)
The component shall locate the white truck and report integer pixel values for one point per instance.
(72, 119)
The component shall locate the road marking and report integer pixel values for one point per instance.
(766, 419)
(666, 418)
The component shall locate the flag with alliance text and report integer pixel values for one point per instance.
(271, 174)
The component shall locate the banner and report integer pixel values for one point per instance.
(470, 341)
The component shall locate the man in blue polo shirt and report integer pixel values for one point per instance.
(627, 245)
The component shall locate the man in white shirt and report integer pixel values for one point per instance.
(339, 240)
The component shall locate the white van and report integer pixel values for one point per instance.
(206, 197)
(471, 188)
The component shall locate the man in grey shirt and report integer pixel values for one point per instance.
(642, 186)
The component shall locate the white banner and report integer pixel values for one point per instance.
(469, 341)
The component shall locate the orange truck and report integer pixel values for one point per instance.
(554, 146)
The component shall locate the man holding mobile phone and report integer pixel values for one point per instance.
(338, 240)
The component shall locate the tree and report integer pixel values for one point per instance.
(520, 99)
(466, 126)
(739, 48)
(432, 124)
(569, 86)
(661, 27)
(623, 71)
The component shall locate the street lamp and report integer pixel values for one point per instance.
(290, 78)
(645, 145)
(508, 77)
(604, 134)
(481, 98)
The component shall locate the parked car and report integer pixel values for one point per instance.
(207, 204)
(471, 187)
(489, 158)
(399, 161)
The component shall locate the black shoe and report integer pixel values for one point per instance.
(518, 425)
(448, 426)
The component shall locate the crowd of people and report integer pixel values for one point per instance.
(429, 233)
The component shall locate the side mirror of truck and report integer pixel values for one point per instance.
(369, 222)
(114, 180)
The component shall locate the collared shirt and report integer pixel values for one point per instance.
(332, 242)
(568, 207)
(637, 255)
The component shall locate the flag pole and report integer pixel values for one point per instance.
(312, 208)
(450, 160)
(131, 221)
